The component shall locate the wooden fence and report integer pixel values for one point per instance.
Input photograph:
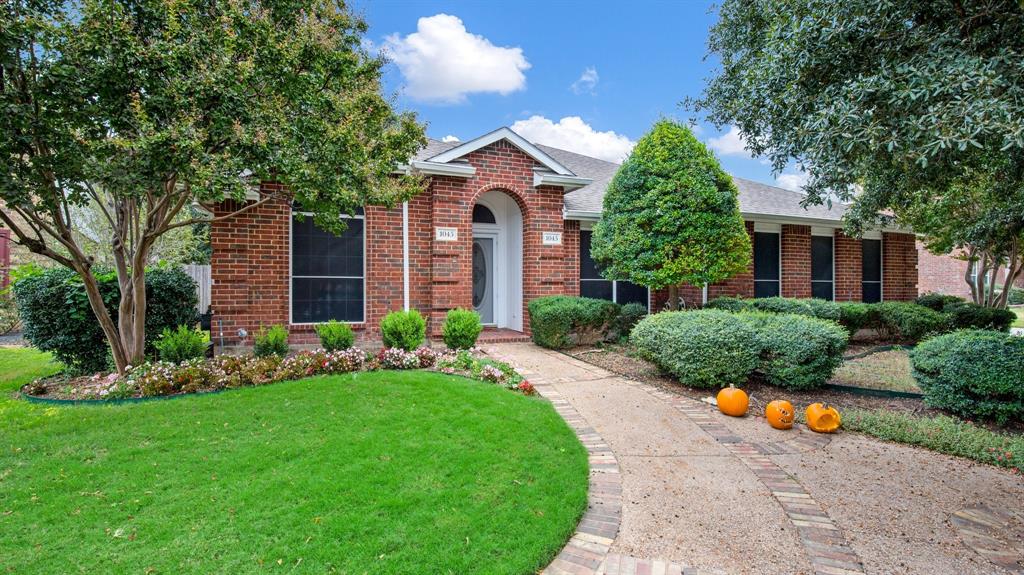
(201, 273)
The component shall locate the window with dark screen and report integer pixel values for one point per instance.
(822, 268)
(767, 272)
(871, 270)
(595, 286)
(328, 273)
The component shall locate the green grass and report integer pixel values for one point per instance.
(889, 370)
(384, 472)
(940, 433)
(1019, 310)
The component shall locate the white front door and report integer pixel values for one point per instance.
(484, 280)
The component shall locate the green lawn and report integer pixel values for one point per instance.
(889, 370)
(384, 472)
(1019, 310)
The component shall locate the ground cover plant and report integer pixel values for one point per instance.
(387, 471)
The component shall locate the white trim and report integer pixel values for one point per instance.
(767, 228)
(808, 221)
(436, 169)
(823, 231)
(871, 235)
(503, 133)
(405, 255)
(291, 233)
(580, 215)
(567, 183)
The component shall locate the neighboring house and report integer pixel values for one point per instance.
(504, 221)
(947, 274)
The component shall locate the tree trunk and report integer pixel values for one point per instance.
(99, 309)
(673, 298)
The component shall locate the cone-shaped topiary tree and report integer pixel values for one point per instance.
(671, 216)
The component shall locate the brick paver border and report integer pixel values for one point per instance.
(984, 529)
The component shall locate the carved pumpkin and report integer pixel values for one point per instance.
(822, 418)
(733, 401)
(780, 414)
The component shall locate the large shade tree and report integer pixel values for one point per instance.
(671, 216)
(893, 104)
(147, 109)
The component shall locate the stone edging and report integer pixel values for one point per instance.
(984, 530)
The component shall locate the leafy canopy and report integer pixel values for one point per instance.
(896, 96)
(671, 215)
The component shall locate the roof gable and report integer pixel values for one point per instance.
(511, 137)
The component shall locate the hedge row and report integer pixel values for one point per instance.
(894, 321)
(558, 322)
(715, 348)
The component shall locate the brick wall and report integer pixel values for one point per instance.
(899, 267)
(941, 274)
(796, 261)
(848, 266)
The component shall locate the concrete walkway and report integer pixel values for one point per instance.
(703, 493)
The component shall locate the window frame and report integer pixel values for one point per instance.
(832, 237)
(615, 283)
(881, 267)
(760, 228)
(292, 276)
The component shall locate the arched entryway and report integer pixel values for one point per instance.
(498, 260)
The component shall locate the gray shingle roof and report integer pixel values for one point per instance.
(755, 198)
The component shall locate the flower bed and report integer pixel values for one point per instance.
(163, 379)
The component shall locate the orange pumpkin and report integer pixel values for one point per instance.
(780, 414)
(822, 418)
(733, 401)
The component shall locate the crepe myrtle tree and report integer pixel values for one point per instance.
(887, 103)
(671, 216)
(149, 108)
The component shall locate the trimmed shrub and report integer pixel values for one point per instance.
(733, 304)
(182, 344)
(335, 335)
(704, 348)
(855, 316)
(965, 315)
(824, 309)
(403, 329)
(797, 352)
(271, 342)
(57, 317)
(974, 374)
(629, 316)
(558, 322)
(782, 305)
(908, 322)
(937, 301)
(1016, 296)
(461, 328)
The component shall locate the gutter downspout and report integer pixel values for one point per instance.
(405, 255)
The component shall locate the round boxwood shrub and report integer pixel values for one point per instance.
(908, 322)
(559, 321)
(403, 329)
(797, 352)
(937, 301)
(704, 348)
(973, 373)
(964, 315)
(733, 304)
(56, 315)
(335, 335)
(461, 328)
(855, 316)
(629, 316)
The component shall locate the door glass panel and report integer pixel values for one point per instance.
(483, 278)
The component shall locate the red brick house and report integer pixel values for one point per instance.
(505, 221)
(946, 274)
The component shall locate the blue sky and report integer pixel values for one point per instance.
(586, 76)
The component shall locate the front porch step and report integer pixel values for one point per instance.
(502, 335)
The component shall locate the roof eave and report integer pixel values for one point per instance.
(567, 183)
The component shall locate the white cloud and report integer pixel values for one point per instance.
(730, 143)
(792, 180)
(443, 62)
(573, 134)
(586, 82)
(450, 138)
